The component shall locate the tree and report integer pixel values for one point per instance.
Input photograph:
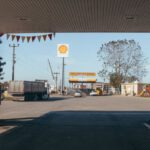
(1, 68)
(121, 61)
(115, 79)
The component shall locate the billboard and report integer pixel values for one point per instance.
(62, 50)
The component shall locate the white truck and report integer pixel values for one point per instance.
(31, 90)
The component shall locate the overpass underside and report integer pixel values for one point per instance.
(26, 16)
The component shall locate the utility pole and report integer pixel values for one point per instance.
(56, 78)
(13, 60)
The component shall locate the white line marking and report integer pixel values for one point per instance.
(147, 125)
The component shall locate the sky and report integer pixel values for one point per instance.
(32, 58)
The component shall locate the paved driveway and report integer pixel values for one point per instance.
(90, 123)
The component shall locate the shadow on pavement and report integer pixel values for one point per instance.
(79, 130)
(51, 99)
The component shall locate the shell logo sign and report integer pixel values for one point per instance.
(62, 50)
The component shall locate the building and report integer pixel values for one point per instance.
(133, 89)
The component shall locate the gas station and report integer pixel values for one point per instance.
(81, 80)
(102, 122)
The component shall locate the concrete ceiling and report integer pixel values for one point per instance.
(74, 16)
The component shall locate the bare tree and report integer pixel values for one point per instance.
(122, 58)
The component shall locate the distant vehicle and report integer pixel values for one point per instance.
(99, 91)
(31, 90)
(93, 93)
(78, 93)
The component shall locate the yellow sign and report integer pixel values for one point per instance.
(82, 74)
(78, 80)
(62, 50)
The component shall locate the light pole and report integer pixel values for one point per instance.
(62, 51)
(13, 60)
(63, 75)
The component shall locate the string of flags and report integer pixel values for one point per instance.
(28, 38)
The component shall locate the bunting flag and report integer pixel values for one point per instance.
(44, 37)
(29, 38)
(54, 34)
(23, 38)
(39, 38)
(1, 34)
(33, 38)
(8, 35)
(13, 37)
(50, 36)
(18, 38)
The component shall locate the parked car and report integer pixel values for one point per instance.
(78, 93)
(93, 93)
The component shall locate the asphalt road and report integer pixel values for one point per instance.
(90, 123)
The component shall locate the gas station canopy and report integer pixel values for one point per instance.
(83, 77)
(24, 16)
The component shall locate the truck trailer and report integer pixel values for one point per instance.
(31, 90)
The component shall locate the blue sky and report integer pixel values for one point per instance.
(32, 57)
